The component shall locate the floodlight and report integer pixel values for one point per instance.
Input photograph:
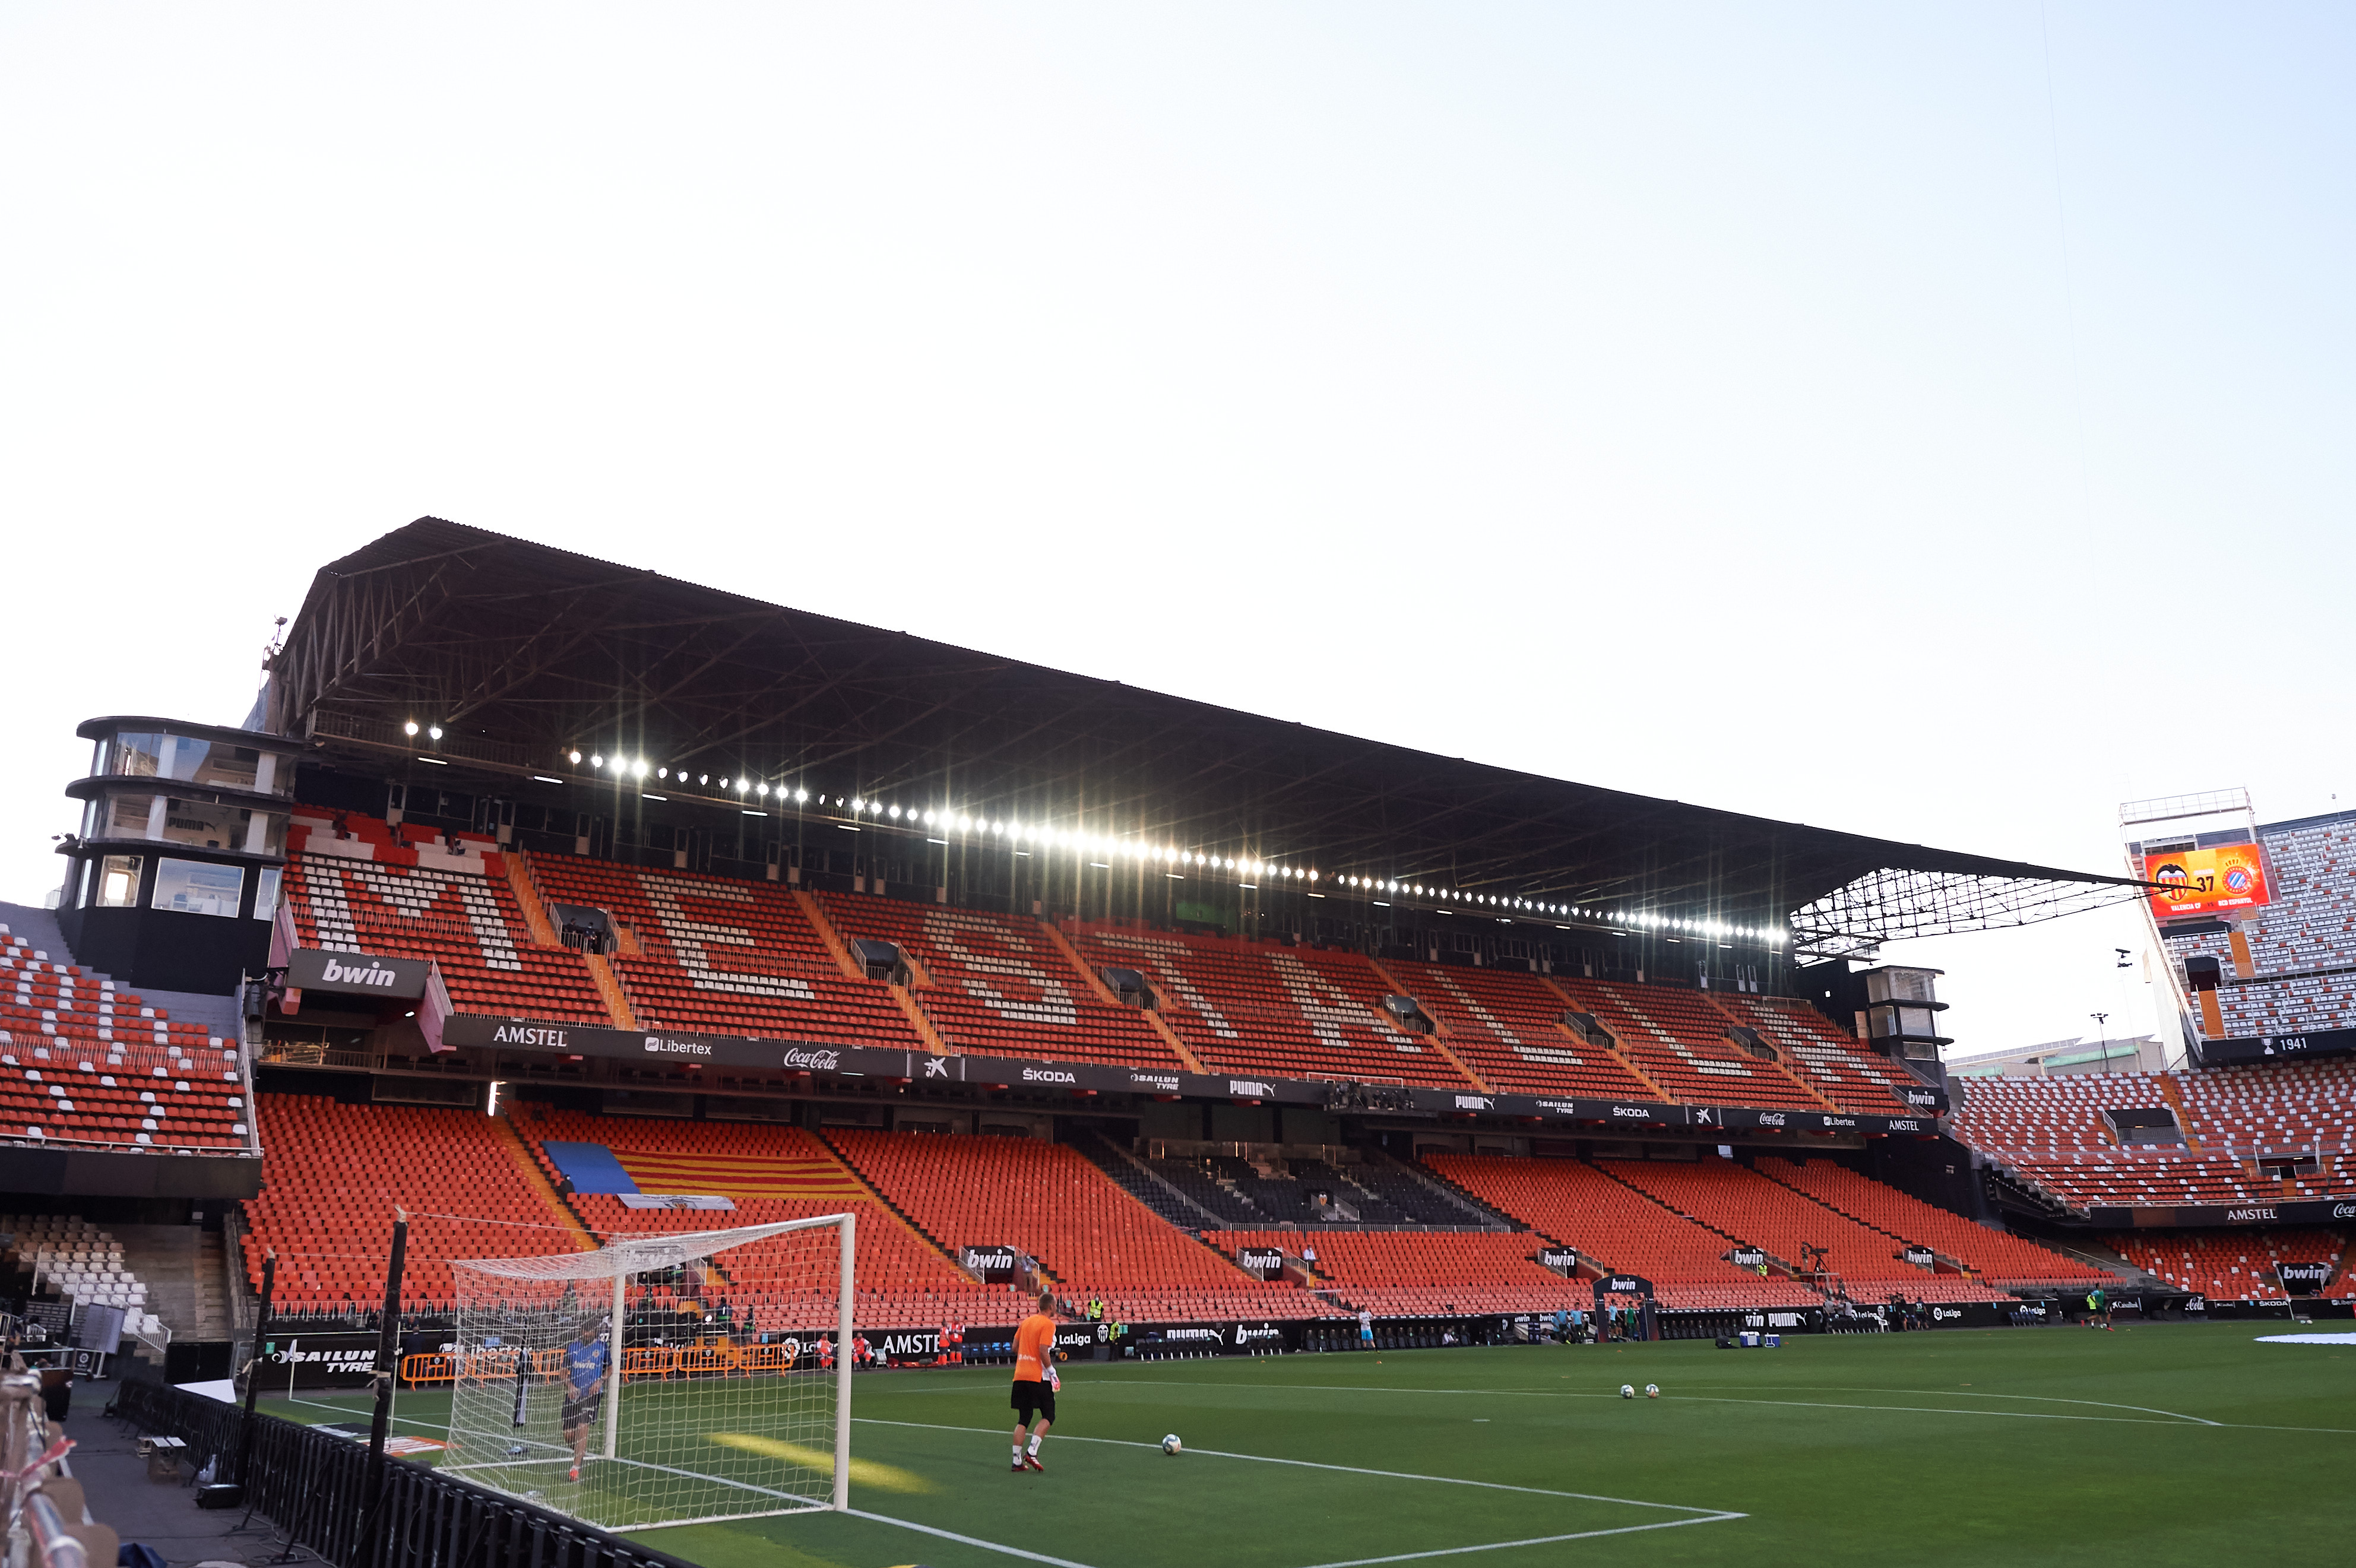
(662, 772)
(858, 806)
(803, 794)
(410, 728)
(893, 813)
(597, 762)
(576, 758)
(760, 789)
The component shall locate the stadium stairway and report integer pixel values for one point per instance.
(1985, 1252)
(1464, 1205)
(1142, 1181)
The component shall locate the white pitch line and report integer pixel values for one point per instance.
(1793, 1403)
(1345, 1469)
(1958, 1393)
(965, 1540)
(1533, 1540)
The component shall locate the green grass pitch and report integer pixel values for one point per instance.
(2152, 1445)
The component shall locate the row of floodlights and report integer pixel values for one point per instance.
(1020, 832)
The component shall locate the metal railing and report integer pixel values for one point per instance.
(29, 1458)
(315, 1485)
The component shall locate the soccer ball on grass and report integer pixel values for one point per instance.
(1652, 1391)
(1627, 1391)
(1170, 1445)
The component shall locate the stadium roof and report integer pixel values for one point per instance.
(522, 653)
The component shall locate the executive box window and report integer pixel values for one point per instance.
(193, 887)
(265, 894)
(116, 885)
(144, 755)
(200, 824)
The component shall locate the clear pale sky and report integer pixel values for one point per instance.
(1929, 420)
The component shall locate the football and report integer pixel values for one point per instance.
(1652, 1391)
(1627, 1391)
(1170, 1445)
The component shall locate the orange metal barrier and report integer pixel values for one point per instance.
(429, 1368)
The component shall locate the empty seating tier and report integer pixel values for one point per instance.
(333, 1174)
(82, 1063)
(1739, 1202)
(358, 887)
(1681, 1044)
(1821, 1052)
(900, 1280)
(1257, 1008)
(726, 957)
(1001, 985)
(1579, 1206)
(1047, 1201)
(1994, 1254)
(2227, 1265)
(1404, 1273)
(1504, 1025)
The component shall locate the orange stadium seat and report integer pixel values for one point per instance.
(1000, 986)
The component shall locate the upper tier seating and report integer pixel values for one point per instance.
(2227, 1265)
(900, 1280)
(1503, 1024)
(1045, 1199)
(82, 1062)
(2051, 1132)
(359, 886)
(1739, 1202)
(2310, 926)
(726, 956)
(1997, 1256)
(1255, 1007)
(2284, 1106)
(1000, 986)
(333, 1174)
(1679, 1042)
(1579, 1206)
(1401, 1272)
(1821, 1052)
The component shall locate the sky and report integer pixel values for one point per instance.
(1931, 421)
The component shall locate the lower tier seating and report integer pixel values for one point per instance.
(1577, 1205)
(333, 1174)
(900, 1280)
(1993, 1254)
(1400, 1273)
(2227, 1265)
(1093, 1240)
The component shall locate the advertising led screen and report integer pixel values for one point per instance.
(2227, 877)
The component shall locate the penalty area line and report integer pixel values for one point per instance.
(1535, 1540)
(1348, 1470)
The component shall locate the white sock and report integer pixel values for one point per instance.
(1035, 1443)
(1017, 1453)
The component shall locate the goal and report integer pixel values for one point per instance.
(693, 1420)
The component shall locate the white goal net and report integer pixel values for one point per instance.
(611, 1386)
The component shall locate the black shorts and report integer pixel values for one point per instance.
(1031, 1394)
(582, 1412)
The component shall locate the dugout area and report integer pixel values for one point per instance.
(2154, 1445)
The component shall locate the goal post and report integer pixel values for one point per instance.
(671, 1378)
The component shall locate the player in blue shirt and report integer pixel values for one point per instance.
(585, 1360)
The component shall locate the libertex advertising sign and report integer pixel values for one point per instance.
(2223, 879)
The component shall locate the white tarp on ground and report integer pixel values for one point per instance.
(2306, 1338)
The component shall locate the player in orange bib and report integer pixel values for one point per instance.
(1034, 1381)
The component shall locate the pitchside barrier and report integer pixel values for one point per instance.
(314, 1485)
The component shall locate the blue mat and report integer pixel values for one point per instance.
(590, 1167)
